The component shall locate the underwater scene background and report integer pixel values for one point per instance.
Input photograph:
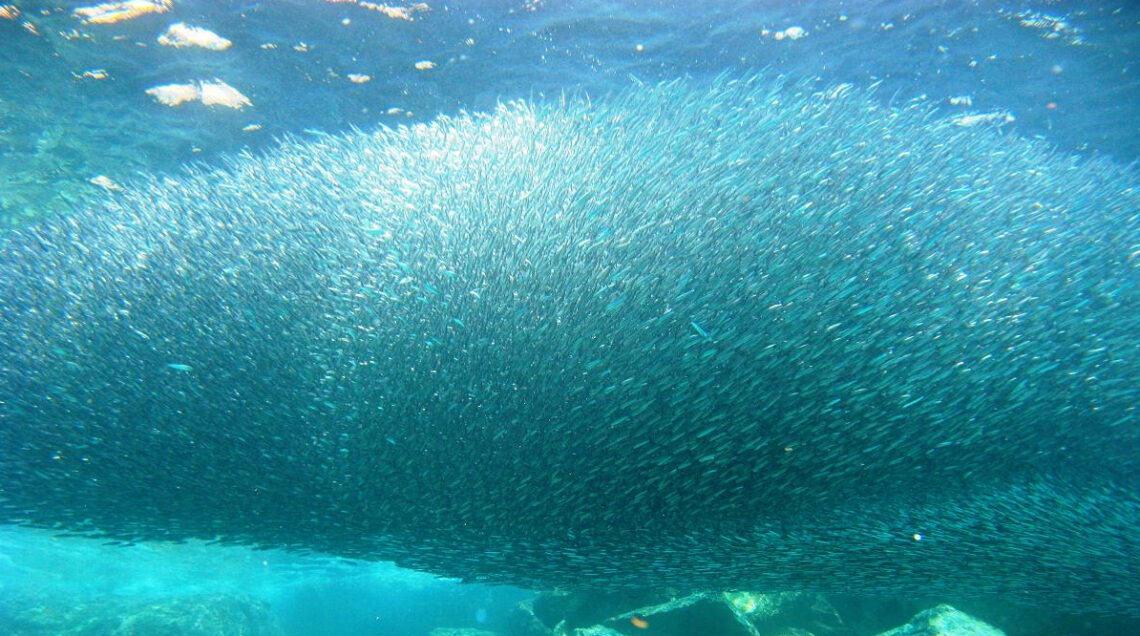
(340, 317)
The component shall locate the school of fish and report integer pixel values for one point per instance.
(749, 333)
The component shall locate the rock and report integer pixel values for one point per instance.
(597, 630)
(461, 631)
(205, 615)
(786, 613)
(724, 614)
(944, 620)
(582, 608)
(693, 614)
(521, 621)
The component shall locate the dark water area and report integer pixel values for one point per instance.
(84, 135)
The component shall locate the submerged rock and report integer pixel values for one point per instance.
(944, 620)
(727, 614)
(208, 615)
(461, 631)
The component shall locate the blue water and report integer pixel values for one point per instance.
(307, 594)
(1066, 72)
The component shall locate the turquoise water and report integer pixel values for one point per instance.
(853, 322)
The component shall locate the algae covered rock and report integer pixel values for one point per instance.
(205, 615)
(724, 614)
(944, 620)
(461, 631)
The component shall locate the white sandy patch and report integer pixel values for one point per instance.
(181, 35)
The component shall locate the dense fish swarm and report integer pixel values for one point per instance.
(746, 334)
